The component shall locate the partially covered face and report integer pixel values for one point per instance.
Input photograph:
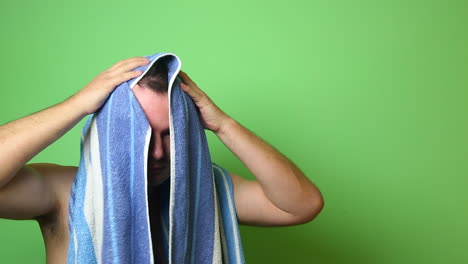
(156, 108)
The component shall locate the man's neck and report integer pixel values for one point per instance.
(156, 232)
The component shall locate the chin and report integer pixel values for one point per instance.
(158, 179)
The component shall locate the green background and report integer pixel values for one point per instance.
(368, 98)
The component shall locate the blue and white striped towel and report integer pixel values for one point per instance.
(108, 210)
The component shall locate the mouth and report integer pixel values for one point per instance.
(152, 164)
(157, 174)
(157, 168)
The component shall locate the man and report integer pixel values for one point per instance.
(281, 195)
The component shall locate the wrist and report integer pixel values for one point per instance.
(79, 103)
(74, 104)
(225, 125)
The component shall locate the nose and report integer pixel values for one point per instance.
(156, 147)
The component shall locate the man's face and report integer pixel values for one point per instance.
(156, 108)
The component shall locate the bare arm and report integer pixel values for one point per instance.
(35, 191)
(281, 194)
(22, 139)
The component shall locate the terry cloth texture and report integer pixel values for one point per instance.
(109, 219)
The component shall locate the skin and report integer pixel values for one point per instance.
(156, 108)
(280, 195)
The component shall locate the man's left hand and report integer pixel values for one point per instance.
(212, 116)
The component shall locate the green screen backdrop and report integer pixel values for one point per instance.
(368, 98)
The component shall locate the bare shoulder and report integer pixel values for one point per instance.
(38, 191)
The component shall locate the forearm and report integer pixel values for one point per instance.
(22, 139)
(282, 182)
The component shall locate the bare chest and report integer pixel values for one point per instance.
(56, 235)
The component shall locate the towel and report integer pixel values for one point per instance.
(109, 219)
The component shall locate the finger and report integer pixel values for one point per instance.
(196, 95)
(131, 64)
(115, 65)
(128, 67)
(125, 77)
(126, 61)
(185, 78)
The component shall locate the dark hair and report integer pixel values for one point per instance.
(156, 77)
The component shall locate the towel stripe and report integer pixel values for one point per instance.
(225, 184)
(110, 193)
(108, 209)
(93, 204)
(132, 173)
(218, 234)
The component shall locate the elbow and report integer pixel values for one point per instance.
(313, 208)
(318, 207)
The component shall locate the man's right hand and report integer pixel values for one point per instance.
(34, 190)
(93, 95)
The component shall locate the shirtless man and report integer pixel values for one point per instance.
(281, 194)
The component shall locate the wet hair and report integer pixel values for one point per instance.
(156, 77)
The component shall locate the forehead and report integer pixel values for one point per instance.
(155, 106)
